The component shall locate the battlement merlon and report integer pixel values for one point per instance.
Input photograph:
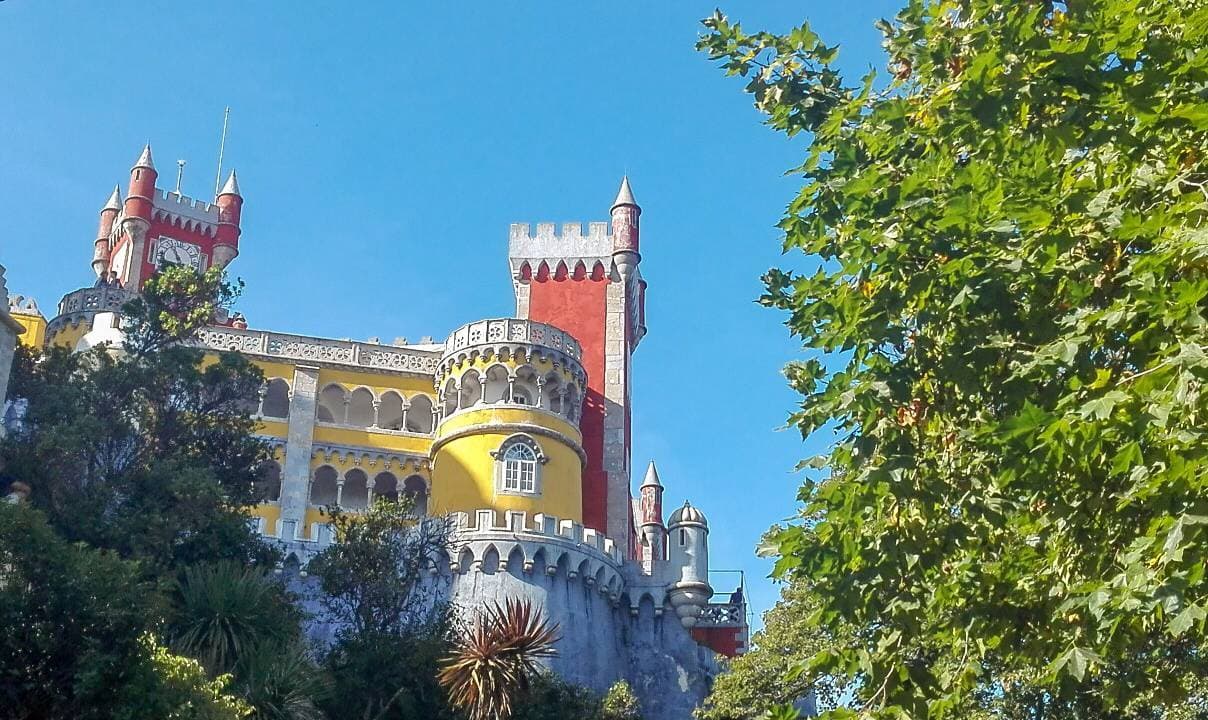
(185, 206)
(551, 246)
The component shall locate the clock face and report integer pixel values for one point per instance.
(169, 251)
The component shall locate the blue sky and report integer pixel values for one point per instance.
(384, 147)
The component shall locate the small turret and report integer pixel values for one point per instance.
(651, 531)
(141, 192)
(136, 218)
(688, 563)
(102, 246)
(230, 210)
(625, 214)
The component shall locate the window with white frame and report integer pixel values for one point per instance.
(518, 466)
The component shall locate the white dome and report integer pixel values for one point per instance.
(688, 515)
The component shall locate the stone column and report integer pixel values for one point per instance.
(299, 443)
(616, 396)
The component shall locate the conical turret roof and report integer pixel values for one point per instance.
(115, 200)
(231, 187)
(652, 477)
(144, 160)
(625, 195)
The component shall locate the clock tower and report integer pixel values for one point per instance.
(154, 227)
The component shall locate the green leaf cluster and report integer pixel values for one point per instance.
(1008, 327)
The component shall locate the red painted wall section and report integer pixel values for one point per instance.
(578, 307)
(721, 640)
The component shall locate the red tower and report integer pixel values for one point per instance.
(589, 285)
(157, 227)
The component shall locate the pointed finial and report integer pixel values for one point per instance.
(144, 160)
(652, 477)
(115, 200)
(231, 187)
(625, 195)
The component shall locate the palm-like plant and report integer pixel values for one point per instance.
(223, 610)
(492, 665)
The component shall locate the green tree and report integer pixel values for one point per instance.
(393, 630)
(620, 703)
(146, 450)
(1010, 297)
(772, 673)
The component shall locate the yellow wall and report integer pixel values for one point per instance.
(35, 330)
(70, 335)
(463, 471)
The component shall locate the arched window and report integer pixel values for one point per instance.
(524, 389)
(415, 488)
(360, 408)
(276, 399)
(385, 487)
(390, 411)
(518, 466)
(324, 488)
(570, 403)
(419, 415)
(268, 482)
(471, 389)
(355, 493)
(332, 408)
(450, 397)
(551, 393)
(496, 388)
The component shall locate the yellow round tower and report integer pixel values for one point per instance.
(510, 399)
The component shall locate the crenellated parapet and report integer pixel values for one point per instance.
(185, 212)
(571, 251)
(542, 544)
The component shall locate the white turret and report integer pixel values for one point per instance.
(688, 589)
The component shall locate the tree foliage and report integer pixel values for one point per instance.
(771, 673)
(393, 630)
(148, 451)
(1011, 289)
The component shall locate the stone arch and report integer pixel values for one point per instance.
(355, 493)
(324, 486)
(390, 411)
(490, 560)
(471, 389)
(418, 417)
(570, 402)
(416, 488)
(360, 407)
(465, 559)
(516, 560)
(524, 387)
(539, 561)
(275, 403)
(495, 388)
(449, 397)
(385, 486)
(551, 392)
(268, 481)
(333, 404)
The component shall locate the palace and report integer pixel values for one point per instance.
(519, 428)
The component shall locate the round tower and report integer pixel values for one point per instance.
(625, 213)
(136, 220)
(688, 589)
(507, 434)
(102, 247)
(230, 209)
(652, 534)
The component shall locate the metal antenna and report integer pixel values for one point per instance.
(226, 116)
(180, 172)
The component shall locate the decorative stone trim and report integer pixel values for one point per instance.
(513, 428)
(321, 351)
(371, 458)
(504, 336)
(81, 305)
(564, 545)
